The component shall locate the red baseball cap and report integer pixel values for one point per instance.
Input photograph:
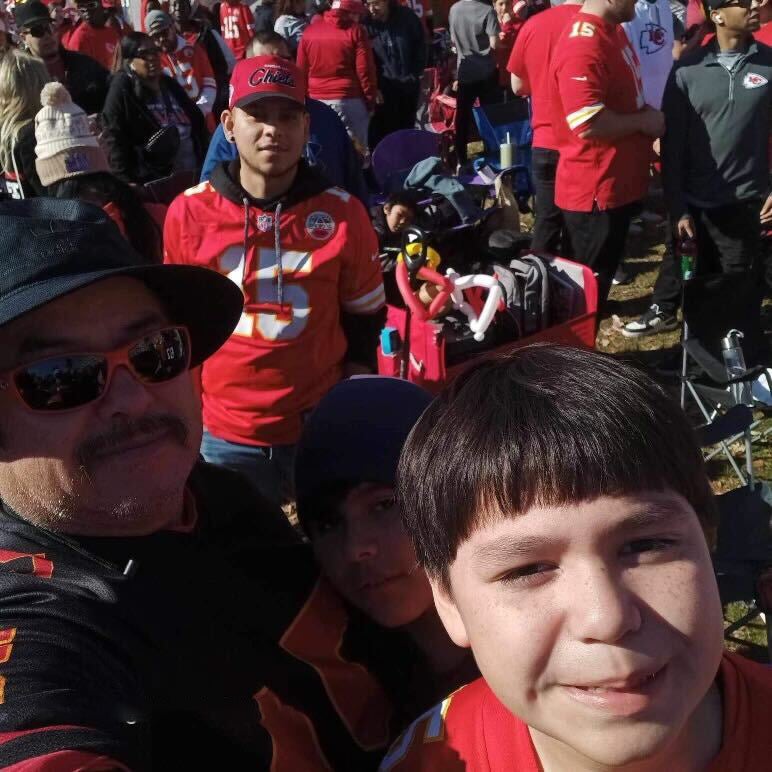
(266, 76)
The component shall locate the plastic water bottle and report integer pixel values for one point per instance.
(506, 153)
(687, 257)
(734, 362)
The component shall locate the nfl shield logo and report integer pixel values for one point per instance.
(265, 222)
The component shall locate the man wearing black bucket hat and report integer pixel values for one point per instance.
(148, 619)
(84, 77)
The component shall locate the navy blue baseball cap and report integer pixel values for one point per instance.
(52, 247)
(355, 434)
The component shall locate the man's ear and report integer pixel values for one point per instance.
(717, 18)
(226, 119)
(449, 613)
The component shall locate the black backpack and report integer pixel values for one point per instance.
(525, 282)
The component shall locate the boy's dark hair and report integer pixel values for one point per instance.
(544, 425)
(406, 198)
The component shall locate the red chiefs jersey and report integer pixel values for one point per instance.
(100, 43)
(238, 27)
(189, 66)
(471, 731)
(594, 67)
(530, 61)
(283, 356)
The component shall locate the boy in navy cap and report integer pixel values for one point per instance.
(346, 463)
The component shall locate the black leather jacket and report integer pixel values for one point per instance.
(129, 124)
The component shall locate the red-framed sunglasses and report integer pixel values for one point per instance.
(69, 381)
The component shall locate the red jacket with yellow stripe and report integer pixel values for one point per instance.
(472, 731)
(304, 263)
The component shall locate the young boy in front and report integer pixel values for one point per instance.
(560, 507)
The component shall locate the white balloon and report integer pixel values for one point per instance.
(478, 325)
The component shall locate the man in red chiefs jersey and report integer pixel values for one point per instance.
(93, 36)
(186, 62)
(529, 66)
(604, 133)
(304, 254)
(238, 26)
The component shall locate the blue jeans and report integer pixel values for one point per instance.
(269, 468)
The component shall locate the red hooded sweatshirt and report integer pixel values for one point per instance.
(338, 59)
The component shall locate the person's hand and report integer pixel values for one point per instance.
(686, 228)
(379, 98)
(652, 121)
(766, 211)
(656, 147)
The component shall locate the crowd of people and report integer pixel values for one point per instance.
(475, 580)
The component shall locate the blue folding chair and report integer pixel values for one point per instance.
(507, 122)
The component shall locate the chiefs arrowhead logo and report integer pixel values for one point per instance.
(753, 80)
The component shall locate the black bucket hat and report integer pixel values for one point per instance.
(30, 13)
(51, 247)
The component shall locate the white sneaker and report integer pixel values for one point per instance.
(650, 322)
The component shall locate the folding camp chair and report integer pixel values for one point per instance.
(743, 551)
(508, 122)
(712, 306)
(497, 121)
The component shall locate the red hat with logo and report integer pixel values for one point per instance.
(351, 6)
(266, 76)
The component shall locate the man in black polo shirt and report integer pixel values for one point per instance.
(715, 159)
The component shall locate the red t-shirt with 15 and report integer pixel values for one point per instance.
(595, 68)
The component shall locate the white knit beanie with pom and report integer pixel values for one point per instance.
(66, 146)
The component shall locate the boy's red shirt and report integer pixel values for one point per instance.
(471, 731)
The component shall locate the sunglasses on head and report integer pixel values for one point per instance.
(69, 381)
(38, 30)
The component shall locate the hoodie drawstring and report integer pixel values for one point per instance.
(245, 201)
(277, 247)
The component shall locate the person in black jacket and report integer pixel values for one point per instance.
(84, 77)
(151, 127)
(156, 613)
(399, 46)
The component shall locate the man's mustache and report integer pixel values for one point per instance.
(126, 430)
